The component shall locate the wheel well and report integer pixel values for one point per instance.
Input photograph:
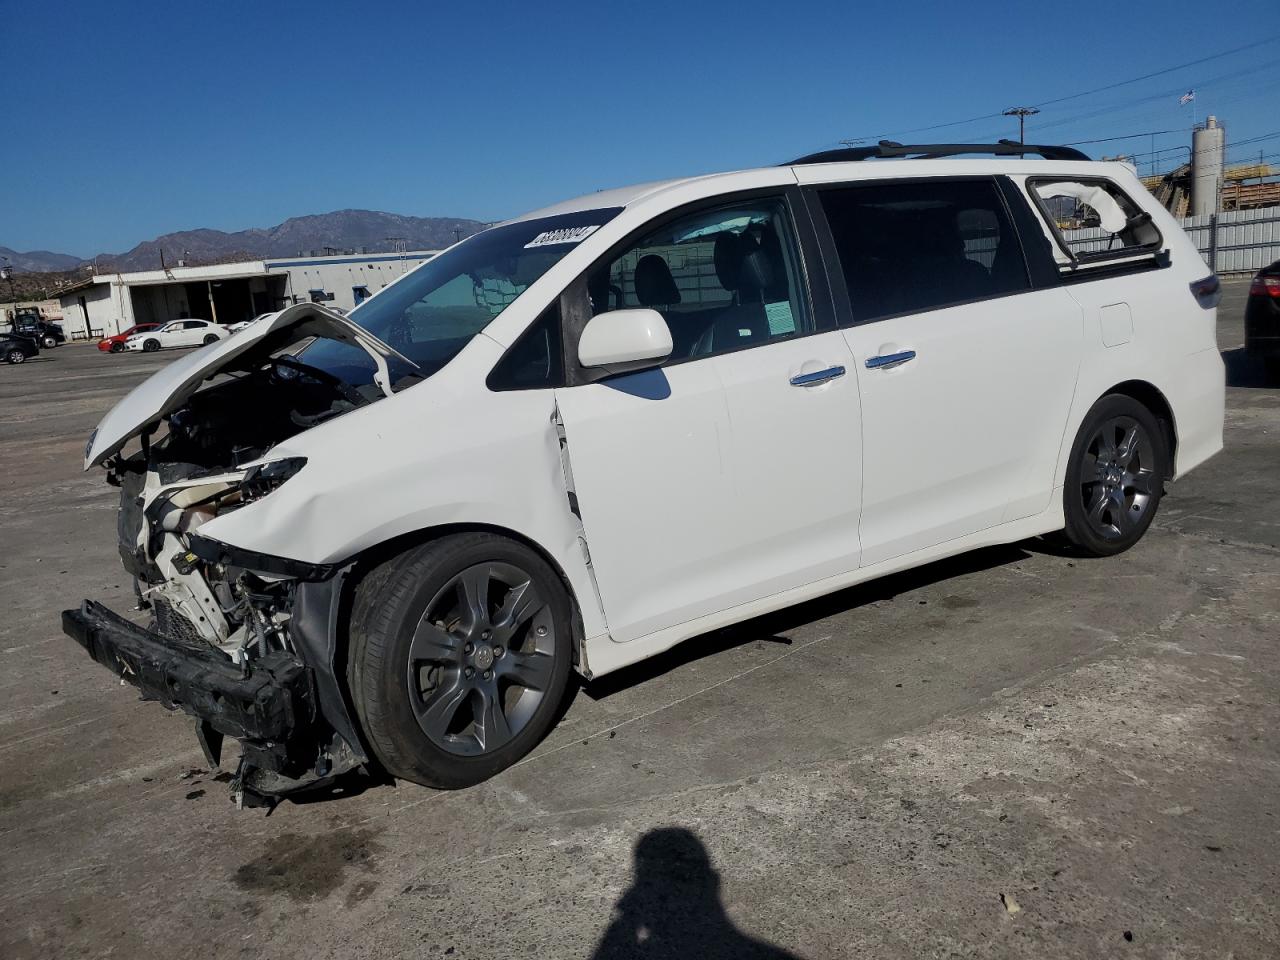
(1151, 398)
(371, 557)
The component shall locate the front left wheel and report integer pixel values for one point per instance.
(460, 656)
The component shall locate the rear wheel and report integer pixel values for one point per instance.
(1115, 477)
(48, 343)
(150, 346)
(210, 338)
(15, 356)
(460, 655)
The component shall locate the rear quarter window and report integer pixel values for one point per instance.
(1091, 221)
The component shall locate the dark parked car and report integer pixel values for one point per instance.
(1262, 318)
(16, 349)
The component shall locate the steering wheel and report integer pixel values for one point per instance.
(287, 362)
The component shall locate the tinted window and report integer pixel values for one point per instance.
(908, 247)
(723, 279)
(535, 360)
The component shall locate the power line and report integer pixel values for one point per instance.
(1127, 136)
(1160, 73)
(1230, 146)
(1076, 96)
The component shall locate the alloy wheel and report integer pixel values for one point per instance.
(1118, 477)
(17, 356)
(481, 659)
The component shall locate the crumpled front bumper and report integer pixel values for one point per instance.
(268, 704)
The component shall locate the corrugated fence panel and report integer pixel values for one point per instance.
(1247, 239)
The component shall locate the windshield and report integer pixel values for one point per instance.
(431, 314)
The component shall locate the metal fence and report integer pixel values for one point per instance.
(1237, 241)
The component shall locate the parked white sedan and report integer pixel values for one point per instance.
(179, 333)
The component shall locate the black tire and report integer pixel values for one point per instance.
(393, 680)
(15, 357)
(117, 347)
(210, 338)
(48, 343)
(1271, 366)
(1112, 493)
(150, 346)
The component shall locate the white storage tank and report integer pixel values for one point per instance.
(1208, 147)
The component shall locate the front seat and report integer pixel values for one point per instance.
(657, 289)
(743, 268)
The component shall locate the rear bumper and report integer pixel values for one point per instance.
(1198, 395)
(1262, 346)
(1262, 326)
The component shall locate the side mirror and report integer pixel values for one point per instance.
(625, 340)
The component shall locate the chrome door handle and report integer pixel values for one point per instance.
(817, 377)
(889, 360)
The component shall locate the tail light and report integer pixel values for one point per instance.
(1207, 291)
(1265, 287)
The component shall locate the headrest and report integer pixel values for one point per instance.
(654, 284)
(741, 264)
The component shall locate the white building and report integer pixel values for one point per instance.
(109, 303)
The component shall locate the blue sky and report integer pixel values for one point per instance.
(140, 118)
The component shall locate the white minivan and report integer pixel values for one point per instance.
(582, 436)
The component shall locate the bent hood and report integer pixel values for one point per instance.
(169, 388)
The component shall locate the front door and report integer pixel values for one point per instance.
(966, 373)
(732, 472)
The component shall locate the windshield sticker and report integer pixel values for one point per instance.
(564, 235)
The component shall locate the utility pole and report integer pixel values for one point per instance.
(6, 272)
(1022, 113)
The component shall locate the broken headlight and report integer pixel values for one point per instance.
(265, 477)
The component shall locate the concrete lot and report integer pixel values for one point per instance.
(1014, 753)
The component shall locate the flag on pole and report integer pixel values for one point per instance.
(1186, 98)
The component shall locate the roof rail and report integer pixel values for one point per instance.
(886, 149)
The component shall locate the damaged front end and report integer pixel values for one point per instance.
(242, 641)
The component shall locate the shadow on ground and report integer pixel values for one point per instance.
(1244, 370)
(673, 908)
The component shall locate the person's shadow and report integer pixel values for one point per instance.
(673, 908)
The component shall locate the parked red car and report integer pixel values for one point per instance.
(116, 344)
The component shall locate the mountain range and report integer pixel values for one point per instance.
(369, 231)
(39, 261)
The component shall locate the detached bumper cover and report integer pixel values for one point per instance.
(271, 703)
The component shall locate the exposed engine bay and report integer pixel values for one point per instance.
(203, 467)
(222, 643)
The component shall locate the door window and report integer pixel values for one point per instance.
(910, 247)
(723, 279)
